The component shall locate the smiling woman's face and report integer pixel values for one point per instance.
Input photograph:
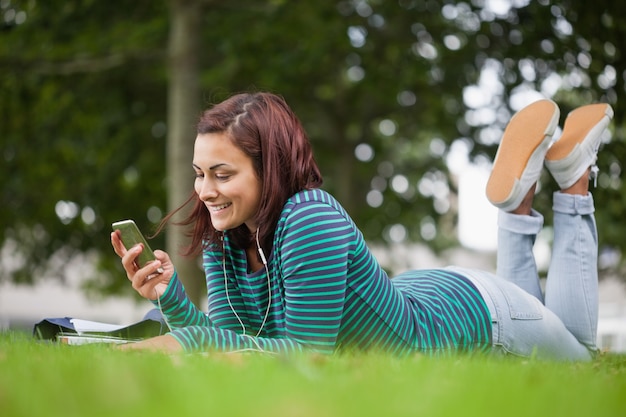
(226, 182)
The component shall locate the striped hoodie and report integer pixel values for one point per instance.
(327, 293)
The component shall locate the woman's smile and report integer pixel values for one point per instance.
(216, 209)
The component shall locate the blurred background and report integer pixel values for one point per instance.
(404, 101)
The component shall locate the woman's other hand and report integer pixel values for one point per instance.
(165, 343)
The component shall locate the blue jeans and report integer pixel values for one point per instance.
(563, 324)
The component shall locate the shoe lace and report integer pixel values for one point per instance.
(593, 175)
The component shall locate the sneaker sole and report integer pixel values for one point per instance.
(570, 156)
(519, 160)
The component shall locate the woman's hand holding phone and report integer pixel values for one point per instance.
(151, 280)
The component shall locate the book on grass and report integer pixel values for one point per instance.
(76, 331)
(85, 339)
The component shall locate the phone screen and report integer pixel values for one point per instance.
(131, 236)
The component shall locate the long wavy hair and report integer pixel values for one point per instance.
(265, 128)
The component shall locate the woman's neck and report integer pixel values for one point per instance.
(254, 263)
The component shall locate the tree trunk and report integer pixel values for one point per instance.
(183, 109)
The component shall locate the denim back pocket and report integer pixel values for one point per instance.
(523, 306)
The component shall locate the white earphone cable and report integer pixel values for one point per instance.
(269, 289)
(269, 285)
(167, 323)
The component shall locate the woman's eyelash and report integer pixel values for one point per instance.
(221, 177)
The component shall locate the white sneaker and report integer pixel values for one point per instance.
(577, 148)
(519, 160)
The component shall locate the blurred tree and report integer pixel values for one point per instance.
(385, 90)
(183, 107)
(82, 130)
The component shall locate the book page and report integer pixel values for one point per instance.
(82, 326)
(72, 339)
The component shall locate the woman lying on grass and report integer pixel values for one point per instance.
(288, 270)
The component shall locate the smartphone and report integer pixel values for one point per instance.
(130, 237)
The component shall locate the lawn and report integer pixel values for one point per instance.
(44, 379)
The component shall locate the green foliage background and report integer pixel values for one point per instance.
(83, 105)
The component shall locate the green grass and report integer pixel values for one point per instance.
(43, 379)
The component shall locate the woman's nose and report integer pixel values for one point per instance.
(207, 190)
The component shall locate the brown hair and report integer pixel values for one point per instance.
(264, 127)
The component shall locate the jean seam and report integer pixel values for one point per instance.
(585, 270)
